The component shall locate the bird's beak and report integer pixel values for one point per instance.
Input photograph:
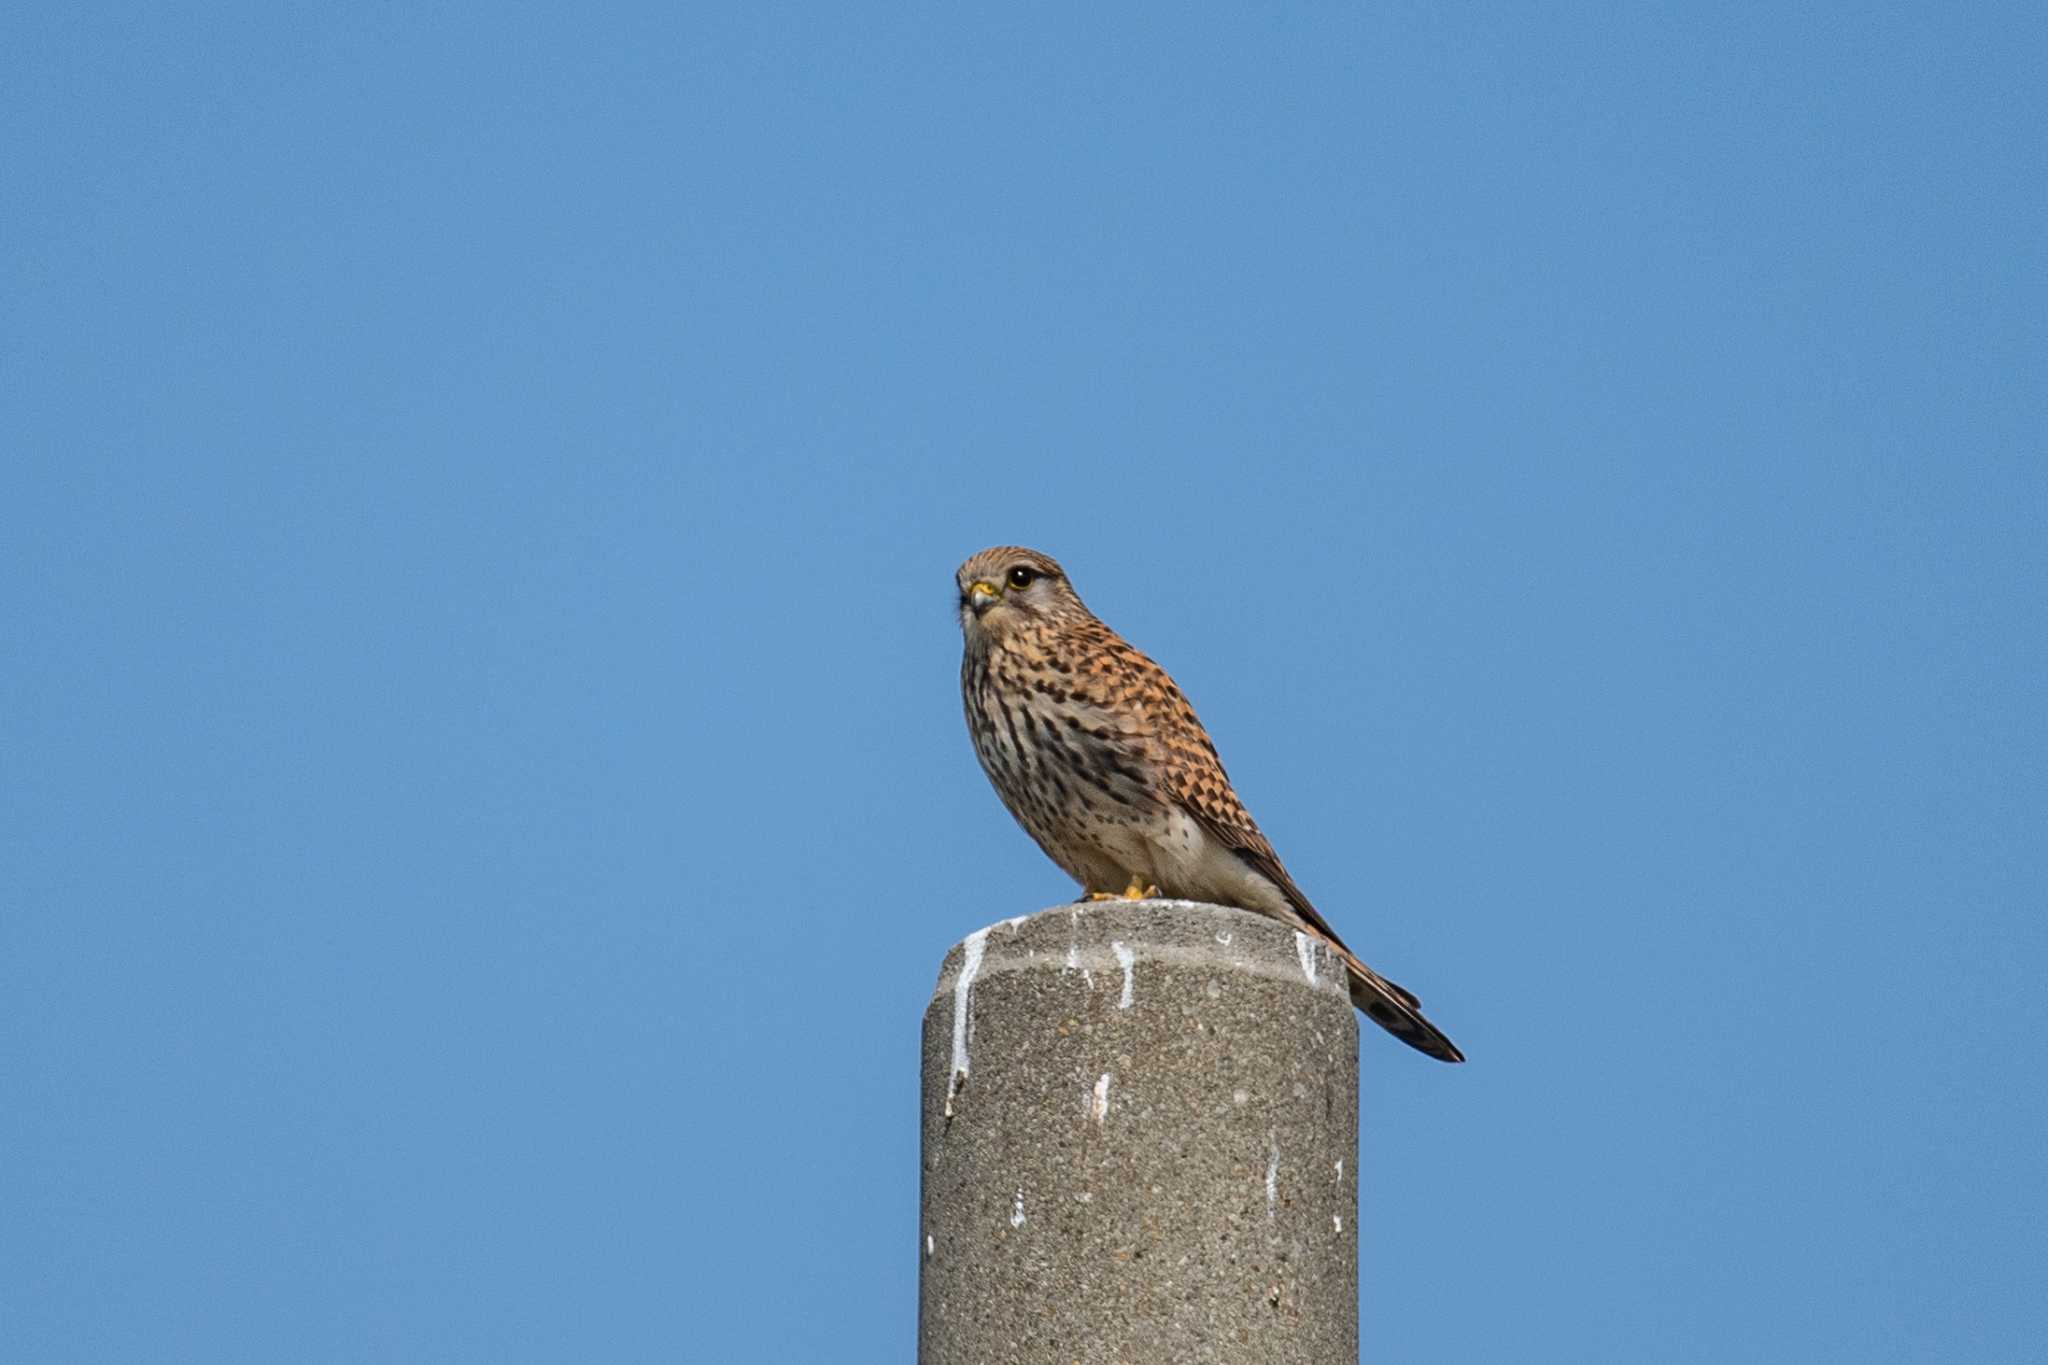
(982, 594)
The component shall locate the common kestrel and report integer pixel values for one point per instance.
(1101, 759)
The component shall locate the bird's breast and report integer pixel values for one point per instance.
(1066, 763)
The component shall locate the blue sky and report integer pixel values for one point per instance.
(484, 792)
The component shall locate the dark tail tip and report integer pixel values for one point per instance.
(1404, 1021)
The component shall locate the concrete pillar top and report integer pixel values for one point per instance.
(1140, 1141)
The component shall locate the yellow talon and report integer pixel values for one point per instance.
(1138, 890)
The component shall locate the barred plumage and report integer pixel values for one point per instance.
(1104, 763)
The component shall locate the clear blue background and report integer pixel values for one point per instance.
(485, 797)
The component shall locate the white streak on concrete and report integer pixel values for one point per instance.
(1337, 1222)
(1017, 1211)
(1340, 1168)
(1305, 949)
(1223, 937)
(929, 1249)
(1098, 1107)
(1272, 1174)
(1128, 961)
(963, 990)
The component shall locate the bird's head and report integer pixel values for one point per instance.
(1009, 588)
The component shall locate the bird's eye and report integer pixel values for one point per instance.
(1020, 577)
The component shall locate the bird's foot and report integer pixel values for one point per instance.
(1138, 890)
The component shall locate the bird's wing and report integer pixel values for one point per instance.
(1195, 777)
(1197, 783)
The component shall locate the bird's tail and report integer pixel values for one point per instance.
(1398, 1012)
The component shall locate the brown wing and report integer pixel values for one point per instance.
(1195, 776)
(1195, 780)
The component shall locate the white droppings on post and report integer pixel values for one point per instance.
(1098, 1105)
(1337, 1222)
(1305, 949)
(1128, 961)
(1223, 937)
(1272, 1173)
(929, 1248)
(1340, 1168)
(963, 989)
(1017, 1211)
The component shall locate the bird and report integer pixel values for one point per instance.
(1100, 757)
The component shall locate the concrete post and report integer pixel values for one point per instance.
(1140, 1143)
